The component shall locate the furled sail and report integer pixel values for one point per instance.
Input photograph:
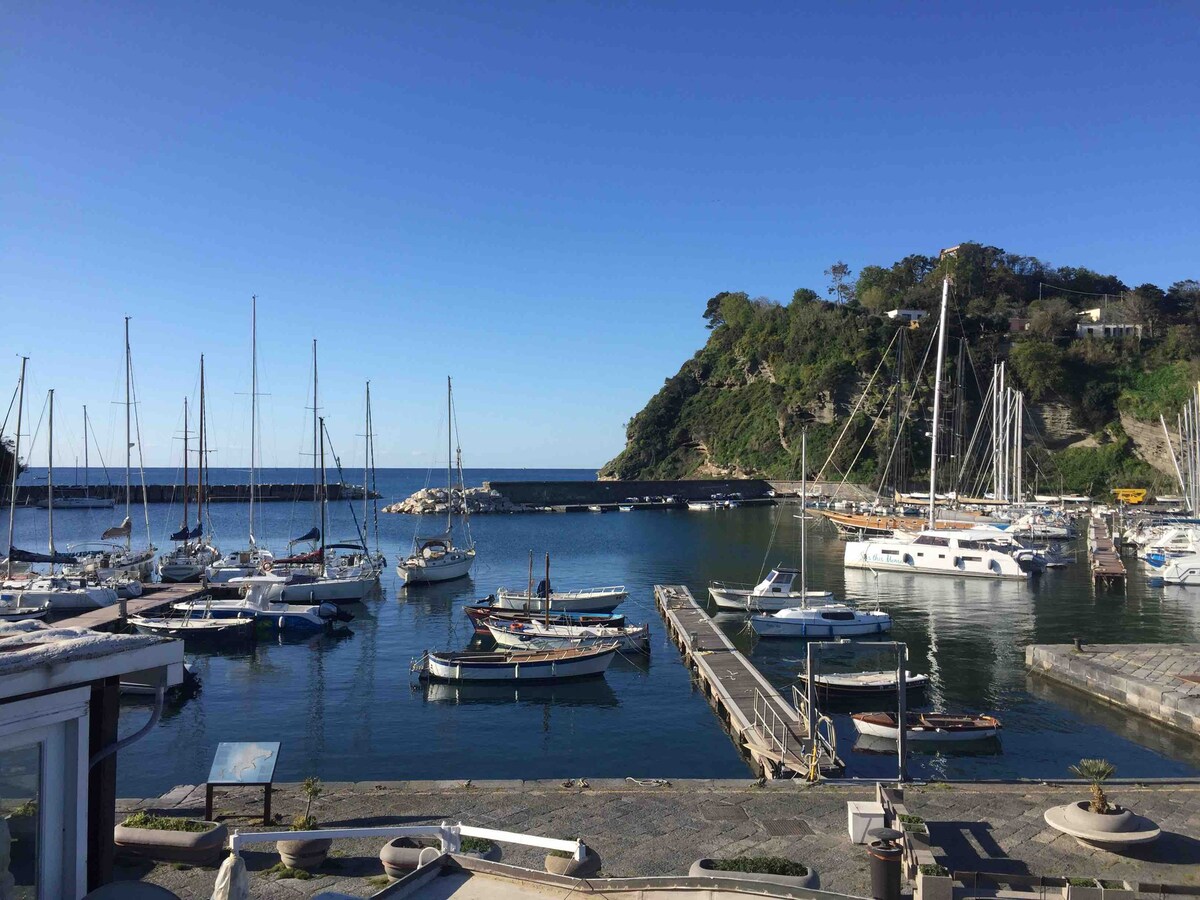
(119, 531)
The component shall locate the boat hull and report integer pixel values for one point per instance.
(924, 735)
(333, 590)
(582, 602)
(426, 571)
(457, 669)
(890, 556)
(773, 627)
(634, 639)
(743, 600)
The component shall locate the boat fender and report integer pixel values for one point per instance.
(994, 565)
(908, 560)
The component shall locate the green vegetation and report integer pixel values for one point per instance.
(1097, 771)
(475, 845)
(164, 823)
(285, 871)
(769, 370)
(763, 865)
(312, 790)
(928, 869)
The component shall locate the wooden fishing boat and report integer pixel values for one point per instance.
(517, 665)
(195, 627)
(536, 633)
(479, 612)
(865, 684)
(927, 727)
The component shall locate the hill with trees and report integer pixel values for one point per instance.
(832, 365)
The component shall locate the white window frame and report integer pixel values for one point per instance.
(58, 724)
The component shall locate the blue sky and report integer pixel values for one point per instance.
(538, 198)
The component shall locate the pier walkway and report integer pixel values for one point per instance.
(1161, 681)
(1107, 567)
(772, 732)
(154, 597)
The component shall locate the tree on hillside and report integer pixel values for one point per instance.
(1182, 300)
(712, 310)
(805, 295)
(1052, 318)
(1038, 365)
(839, 287)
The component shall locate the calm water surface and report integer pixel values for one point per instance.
(346, 706)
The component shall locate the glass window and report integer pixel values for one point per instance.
(20, 801)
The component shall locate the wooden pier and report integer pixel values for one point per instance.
(154, 597)
(1107, 567)
(773, 733)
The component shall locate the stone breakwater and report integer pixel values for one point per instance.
(433, 501)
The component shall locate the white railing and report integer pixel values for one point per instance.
(812, 727)
(768, 721)
(449, 836)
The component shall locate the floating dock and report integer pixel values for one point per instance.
(1159, 681)
(768, 729)
(154, 597)
(1107, 567)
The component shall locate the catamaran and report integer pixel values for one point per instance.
(435, 557)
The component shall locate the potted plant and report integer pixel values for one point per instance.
(171, 838)
(560, 862)
(305, 853)
(480, 848)
(913, 824)
(1097, 822)
(1082, 889)
(770, 869)
(934, 883)
(1116, 890)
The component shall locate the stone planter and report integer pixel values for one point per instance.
(304, 853)
(934, 887)
(704, 867)
(1083, 891)
(1110, 831)
(400, 856)
(1124, 892)
(1080, 815)
(197, 848)
(574, 868)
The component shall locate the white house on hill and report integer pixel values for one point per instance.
(911, 316)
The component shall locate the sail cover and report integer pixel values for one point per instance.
(122, 530)
(16, 554)
(184, 535)
(313, 534)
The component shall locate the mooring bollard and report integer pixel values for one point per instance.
(1079, 645)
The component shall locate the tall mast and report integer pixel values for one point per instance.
(804, 517)
(16, 465)
(202, 465)
(322, 427)
(185, 468)
(937, 401)
(316, 437)
(253, 402)
(50, 483)
(366, 467)
(449, 458)
(546, 602)
(86, 489)
(128, 436)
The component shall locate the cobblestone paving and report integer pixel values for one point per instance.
(660, 830)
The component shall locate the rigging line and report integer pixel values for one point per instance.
(882, 359)
(771, 542)
(11, 403)
(342, 478)
(99, 452)
(1113, 294)
(978, 426)
(137, 424)
(911, 398)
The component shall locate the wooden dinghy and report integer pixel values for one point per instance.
(479, 612)
(195, 627)
(865, 684)
(927, 727)
(517, 665)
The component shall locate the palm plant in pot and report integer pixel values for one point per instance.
(1097, 814)
(305, 853)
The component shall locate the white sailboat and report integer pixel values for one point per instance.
(933, 551)
(87, 501)
(251, 559)
(435, 557)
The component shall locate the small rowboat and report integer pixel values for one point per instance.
(536, 633)
(928, 727)
(517, 665)
(479, 612)
(194, 627)
(865, 684)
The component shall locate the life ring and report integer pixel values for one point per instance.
(266, 566)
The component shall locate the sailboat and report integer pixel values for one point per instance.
(823, 619)
(192, 553)
(982, 553)
(252, 558)
(86, 501)
(435, 557)
(103, 558)
(55, 591)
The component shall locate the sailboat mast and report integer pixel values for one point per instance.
(86, 479)
(937, 401)
(202, 465)
(316, 437)
(253, 403)
(546, 602)
(804, 517)
(449, 459)
(366, 467)
(185, 468)
(50, 482)
(321, 422)
(16, 465)
(128, 436)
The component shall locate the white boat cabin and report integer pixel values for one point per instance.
(778, 581)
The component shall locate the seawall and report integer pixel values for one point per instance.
(29, 494)
(571, 493)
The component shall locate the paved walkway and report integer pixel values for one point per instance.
(660, 830)
(1161, 681)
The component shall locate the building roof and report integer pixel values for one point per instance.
(36, 657)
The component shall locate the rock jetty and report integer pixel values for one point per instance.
(432, 501)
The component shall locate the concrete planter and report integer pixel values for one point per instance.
(1083, 892)
(934, 887)
(305, 853)
(704, 867)
(400, 856)
(492, 854)
(574, 868)
(197, 848)
(1124, 892)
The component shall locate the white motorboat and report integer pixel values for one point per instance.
(927, 727)
(64, 592)
(261, 600)
(534, 633)
(969, 553)
(516, 665)
(195, 627)
(826, 620)
(239, 564)
(436, 558)
(1182, 570)
(864, 684)
(14, 606)
(596, 599)
(701, 505)
(771, 594)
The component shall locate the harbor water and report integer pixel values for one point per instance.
(346, 706)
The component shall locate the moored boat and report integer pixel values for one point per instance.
(517, 666)
(771, 594)
(536, 633)
(479, 612)
(194, 627)
(927, 727)
(865, 684)
(593, 600)
(826, 620)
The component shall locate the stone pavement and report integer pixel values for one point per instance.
(1161, 681)
(660, 829)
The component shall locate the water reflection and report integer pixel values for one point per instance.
(584, 692)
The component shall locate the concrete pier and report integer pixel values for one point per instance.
(1160, 681)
